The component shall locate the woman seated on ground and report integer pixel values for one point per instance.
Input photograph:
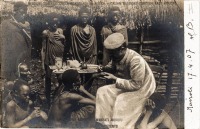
(19, 108)
(73, 106)
(154, 114)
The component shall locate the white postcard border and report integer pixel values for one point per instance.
(192, 85)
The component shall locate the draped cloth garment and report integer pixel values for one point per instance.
(84, 46)
(15, 48)
(125, 99)
(53, 48)
(108, 30)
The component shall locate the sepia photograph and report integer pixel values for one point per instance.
(97, 64)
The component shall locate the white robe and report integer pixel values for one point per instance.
(124, 101)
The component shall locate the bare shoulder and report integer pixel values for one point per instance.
(11, 105)
(9, 85)
(60, 30)
(75, 95)
(45, 32)
(68, 95)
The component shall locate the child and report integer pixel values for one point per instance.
(155, 114)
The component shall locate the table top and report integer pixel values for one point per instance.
(82, 71)
(56, 71)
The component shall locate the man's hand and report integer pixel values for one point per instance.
(150, 104)
(43, 115)
(82, 89)
(59, 36)
(100, 68)
(96, 75)
(109, 76)
(35, 113)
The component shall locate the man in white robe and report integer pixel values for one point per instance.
(119, 105)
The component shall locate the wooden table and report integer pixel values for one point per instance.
(83, 72)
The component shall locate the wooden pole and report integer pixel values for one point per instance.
(141, 39)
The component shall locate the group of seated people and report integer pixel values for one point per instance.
(129, 101)
(73, 106)
(72, 103)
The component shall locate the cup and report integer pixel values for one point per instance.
(58, 62)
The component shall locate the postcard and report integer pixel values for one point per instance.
(104, 64)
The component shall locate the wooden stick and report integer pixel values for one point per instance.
(22, 29)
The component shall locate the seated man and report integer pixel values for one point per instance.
(70, 108)
(23, 73)
(119, 105)
(19, 108)
(154, 115)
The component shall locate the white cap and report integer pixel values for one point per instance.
(114, 41)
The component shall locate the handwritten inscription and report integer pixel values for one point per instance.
(190, 65)
(191, 33)
(190, 107)
(190, 53)
(191, 29)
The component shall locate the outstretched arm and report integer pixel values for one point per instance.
(10, 116)
(82, 89)
(88, 84)
(163, 118)
(82, 99)
(137, 72)
(168, 122)
(87, 101)
(145, 120)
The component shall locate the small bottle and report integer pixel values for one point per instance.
(84, 65)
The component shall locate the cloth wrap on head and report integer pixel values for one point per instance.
(114, 41)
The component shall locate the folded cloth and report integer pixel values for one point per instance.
(73, 63)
